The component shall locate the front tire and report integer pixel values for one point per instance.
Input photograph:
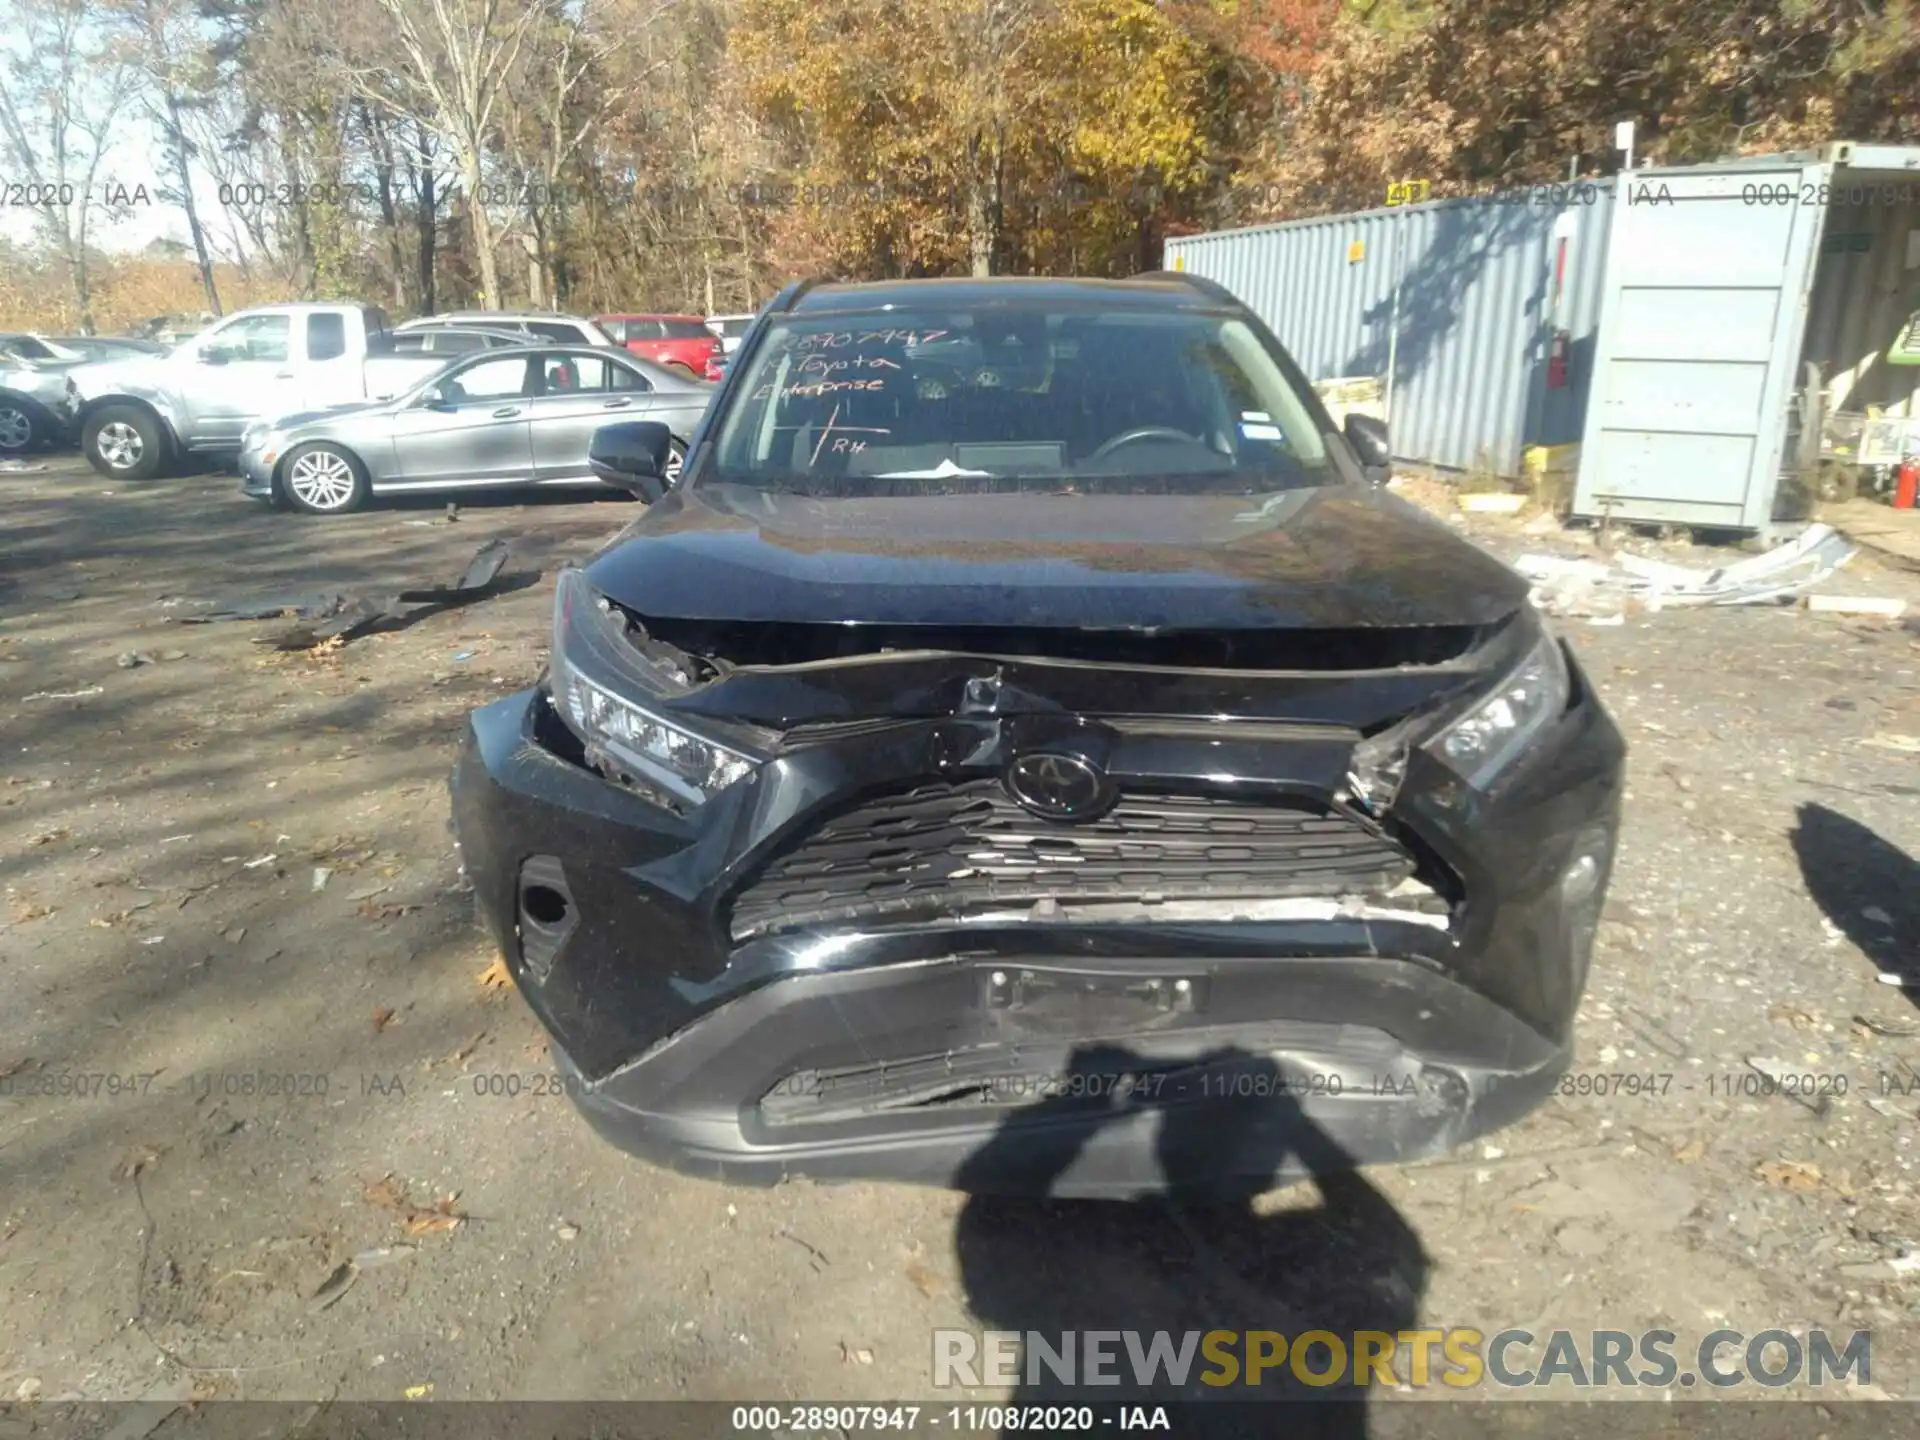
(125, 442)
(23, 425)
(323, 479)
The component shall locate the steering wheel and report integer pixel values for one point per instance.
(1145, 432)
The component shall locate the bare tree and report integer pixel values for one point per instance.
(177, 69)
(457, 58)
(67, 82)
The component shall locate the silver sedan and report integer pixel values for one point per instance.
(509, 417)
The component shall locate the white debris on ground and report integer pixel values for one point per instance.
(1603, 589)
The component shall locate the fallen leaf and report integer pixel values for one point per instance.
(47, 837)
(467, 1049)
(1789, 1174)
(428, 1223)
(1799, 1019)
(851, 1356)
(382, 1017)
(417, 1392)
(386, 1194)
(25, 910)
(496, 976)
(14, 1067)
(1690, 1152)
(923, 1280)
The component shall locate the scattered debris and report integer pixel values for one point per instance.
(923, 1279)
(851, 1356)
(1886, 740)
(1891, 1269)
(19, 467)
(320, 877)
(25, 910)
(417, 1392)
(136, 1164)
(1492, 502)
(382, 1017)
(332, 619)
(344, 1277)
(568, 1231)
(1856, 605)
(496, 977)
(1893, 1029)
(131, 659)
(1566, 586)
(68, 694)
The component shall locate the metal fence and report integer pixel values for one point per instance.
(1469, 332)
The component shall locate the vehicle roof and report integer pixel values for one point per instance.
(590, 352)
(1155, 292)
(648, 315)
(445, 315)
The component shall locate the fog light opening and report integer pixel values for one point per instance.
(544, 906)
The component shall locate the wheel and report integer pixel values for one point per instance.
(126, 442)
(676, 457)
(323, 479)
(23, 425)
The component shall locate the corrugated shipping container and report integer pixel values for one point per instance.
(1470, 363)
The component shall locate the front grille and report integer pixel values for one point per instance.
(944, 849)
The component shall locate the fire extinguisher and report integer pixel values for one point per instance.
(1906, 483)
(1557, 361)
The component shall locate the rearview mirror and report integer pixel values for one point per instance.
(633, 456)
(1368, 436)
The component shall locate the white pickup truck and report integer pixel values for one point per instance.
(137, 416)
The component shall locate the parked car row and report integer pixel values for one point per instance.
(321, 406)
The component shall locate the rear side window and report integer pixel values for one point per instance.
(616, 330)
(551, 330)
(326, 336)
(686, 330)
(452, 342)
(410, 343)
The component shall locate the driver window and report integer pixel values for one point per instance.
(489, 380)
(254, 337)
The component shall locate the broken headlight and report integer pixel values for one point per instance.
(599, 679)
(1484, 741)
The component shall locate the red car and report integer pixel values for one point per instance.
(681, 342)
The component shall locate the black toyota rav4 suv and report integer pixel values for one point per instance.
(1030, 731)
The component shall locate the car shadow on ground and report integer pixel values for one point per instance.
(1203, 1258)
(1867, 886)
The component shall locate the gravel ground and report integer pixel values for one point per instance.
(225, 864)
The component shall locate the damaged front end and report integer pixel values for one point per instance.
(852, 900)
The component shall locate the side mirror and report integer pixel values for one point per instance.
(435, 399)
(633, 456)
(214, 355)
(1368, 436)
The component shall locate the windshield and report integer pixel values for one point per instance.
(1072, 399)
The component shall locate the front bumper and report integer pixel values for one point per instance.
(256, 473)
(1026, 1055)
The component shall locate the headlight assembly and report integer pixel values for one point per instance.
(1485, 740)
(599, 681)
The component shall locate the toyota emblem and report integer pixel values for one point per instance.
(1058, 786)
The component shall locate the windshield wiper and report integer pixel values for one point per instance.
(945, 470)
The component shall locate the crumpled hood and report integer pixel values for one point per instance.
(1332, 556)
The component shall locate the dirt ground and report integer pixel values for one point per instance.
(227, 876)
